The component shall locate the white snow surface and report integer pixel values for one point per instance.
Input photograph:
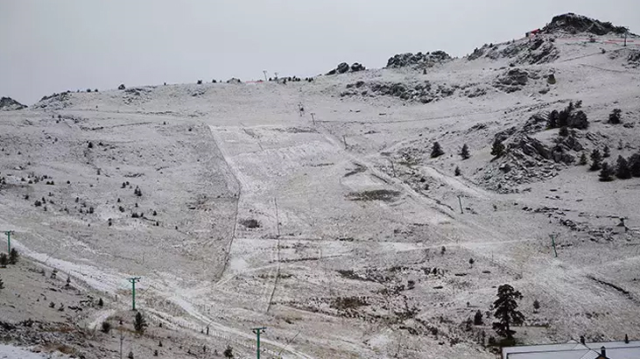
(326, 273)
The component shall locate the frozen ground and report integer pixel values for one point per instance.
(322, 229)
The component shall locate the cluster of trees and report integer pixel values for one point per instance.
(12, 258)
(567, 118)
(623, 169)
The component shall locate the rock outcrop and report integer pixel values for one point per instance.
(572, 23)
(418, 60)
(9, 104)
(344, 68)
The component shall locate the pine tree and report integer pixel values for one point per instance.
(471, 261)
(606, 173)
(634, 165)
(436, 150)
(457, 171)
(506, 312)
(536, 305)
(497, 149)
(68, 281)
(228, 353)
(622, 168)
(139, 323)
(464, 153)
(477, 318)
(606, 152)
(564, 131)
(1, 284)
(130, 356)
(552, 119)
(614, 117)
(596, 160)
(13, 256)
(100, 303)
(583, 159)
(4, 260)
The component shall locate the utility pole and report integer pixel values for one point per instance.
(265, 75)
(121, 340)
(275, 73)
(8, 233)
(344, 139)
(257, 332)
(277, 220)
(553, 243)
(133, 281)
(460, 202)
(313, 118)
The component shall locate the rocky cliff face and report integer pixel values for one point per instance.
(9, 104)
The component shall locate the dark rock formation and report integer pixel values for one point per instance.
(418, 60)
(573, 24)
(9, 104)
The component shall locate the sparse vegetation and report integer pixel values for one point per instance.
(106, 327)
(497, 150)
(139, 323)
(615, 117)
(464, 152)
(622, 168)
(436, 150)
(250, 223)
(13, 256)
(477, 318)
(228, 353)
(506, 311)
(596, 160)
(606, 173)
(457, 171)
(374, 195)
(4, 260)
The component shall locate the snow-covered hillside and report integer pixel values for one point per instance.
(333, 226)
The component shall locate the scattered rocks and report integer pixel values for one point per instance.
(423, 92)
(573, 24)
(9, 104)
(514, 79)
(419, 60)
(344, 68)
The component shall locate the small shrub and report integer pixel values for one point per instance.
(90, 210)
(90, 145)
(139, 323)
(564, 131)
(106, 327)
(155, 213)
(37, 203)
(436, 150)
(250, 223)
(13, 256)
(443, 250)
(457, 171)
(199, 82)
(4, 260)
(606, 173)
(477, 318)
(615, 117)
(130, 356)
(622, 168)
(606, 152)
(583, 159)
(137, 191)
(497, 150)
(228, 353)
(464, 153)
(536, 305)
(121, 87)
(100, 303)
(596, 160)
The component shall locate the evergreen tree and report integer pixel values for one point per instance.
(228, 353)
(606, 153)
(536, 305)
(457, 171)
(139, 323)
(130, 356)
(477, 318)
(4, 260)
(614, 117)
(13, 256)
(622, 168)
(1, 284)
(436, 150)
(606, 172)
(596, 160)
(552, 119)
(497, 149)
(464, 153)
(106, 327)
(583, 159)
(634, 165)
(506, 312)
(564, 131)
(100, 303)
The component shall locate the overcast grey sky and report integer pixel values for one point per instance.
(51, 46)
